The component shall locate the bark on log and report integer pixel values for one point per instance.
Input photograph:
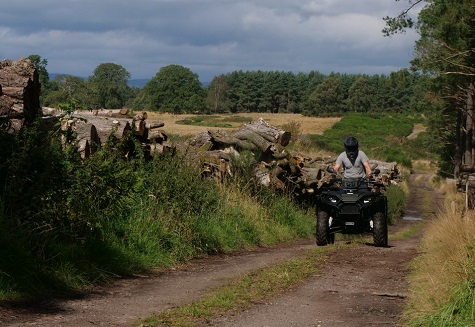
(200, 139)
(157, 124)
(49, 122)
(19, 92)
(214, 157)
(278, 178)
(84, 149)
(262, 174)
(97, 129)
(15, 92)
(248, 135)
(225, 140)
(156, 135)
(139, 127)
(269, 132)
(467, 169)
(388, 170)
(311, 175)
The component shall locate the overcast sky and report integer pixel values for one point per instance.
(210, 37)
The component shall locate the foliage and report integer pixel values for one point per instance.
(397, 200)
(174, 89)
(360, 96)
(403, 21)
(327, 97)
(109, 82)
(43, 75)
(66, 88)
(380, 136)
(217, 100)
(445, 51)
(67, 223)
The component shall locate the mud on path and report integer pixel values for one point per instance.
(359, 286)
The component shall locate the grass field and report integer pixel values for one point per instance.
(308, 125)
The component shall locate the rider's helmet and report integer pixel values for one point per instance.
(351, 147)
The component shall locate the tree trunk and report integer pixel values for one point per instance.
(471, 112)
(469, 132)
(458, 145)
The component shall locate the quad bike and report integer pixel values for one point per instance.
(352, 206)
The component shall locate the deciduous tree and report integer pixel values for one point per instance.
(109, 83)
(174, 89)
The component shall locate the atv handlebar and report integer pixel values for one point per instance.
(370, 180)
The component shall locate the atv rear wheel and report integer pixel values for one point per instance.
(380, 230)
(323, 230)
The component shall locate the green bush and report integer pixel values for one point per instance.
(397, 200)
(381, 137)
(67, 222)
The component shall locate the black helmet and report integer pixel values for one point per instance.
(351, 147)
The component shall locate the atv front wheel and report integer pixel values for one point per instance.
(323, 230)
(380, 230)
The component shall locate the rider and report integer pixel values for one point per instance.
(354, 161)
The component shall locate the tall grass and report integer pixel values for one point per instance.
(397, 200)
(443, 276)
(66, 223)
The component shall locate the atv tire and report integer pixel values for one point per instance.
(380, 230)
(323, 230)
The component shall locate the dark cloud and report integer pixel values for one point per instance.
(208, 36)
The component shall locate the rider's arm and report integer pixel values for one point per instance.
(337, 167)
(367, 168)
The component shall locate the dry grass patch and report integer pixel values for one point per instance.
(446, 262)
(308, 125)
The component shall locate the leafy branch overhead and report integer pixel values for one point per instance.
(401, 22)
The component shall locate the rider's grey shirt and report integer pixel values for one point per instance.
(352, 171)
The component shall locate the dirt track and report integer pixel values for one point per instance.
(359, 286)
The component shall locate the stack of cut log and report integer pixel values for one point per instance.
(217, 148)
(89, 131)
(19, 94)
(277, 168)
(389, 172)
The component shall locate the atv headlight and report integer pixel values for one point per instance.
(331, 200)
(367, 200)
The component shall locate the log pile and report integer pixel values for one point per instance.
(19, 94)
(389, 171)
(277, 168)
(88, 131)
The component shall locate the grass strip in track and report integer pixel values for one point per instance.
(257, 286)
(254, 287)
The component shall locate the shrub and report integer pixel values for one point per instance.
(381, 136)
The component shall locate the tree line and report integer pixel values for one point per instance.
(176, 89)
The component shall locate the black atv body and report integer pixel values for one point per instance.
(352, 206)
